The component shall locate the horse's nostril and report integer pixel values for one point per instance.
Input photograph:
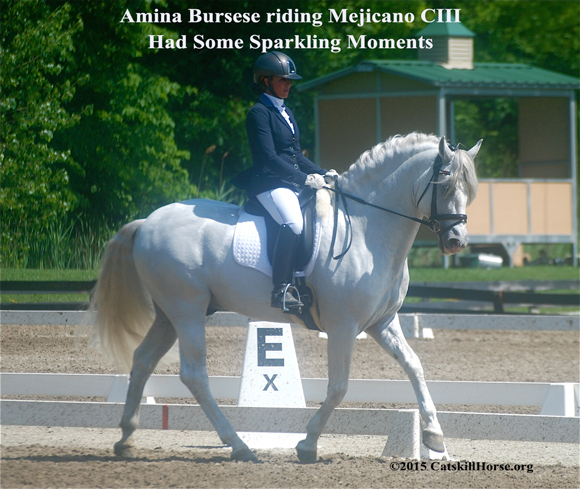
(455, 243)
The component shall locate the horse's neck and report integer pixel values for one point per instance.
(393, 187)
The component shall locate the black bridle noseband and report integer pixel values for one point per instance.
(433, 223)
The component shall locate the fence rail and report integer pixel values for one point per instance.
(497, 293)
(555, 399)
(559, 426)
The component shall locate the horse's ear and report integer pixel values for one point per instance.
(473, 151)
(444, 150)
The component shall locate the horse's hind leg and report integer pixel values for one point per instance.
(390, 336)
(156, 344)
(194, 375)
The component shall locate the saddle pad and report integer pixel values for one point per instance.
(251, 249)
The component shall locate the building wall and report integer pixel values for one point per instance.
(347, 128)
(402, 115)
(350, 126)
(524, 208)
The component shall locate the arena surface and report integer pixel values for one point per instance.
(42, 457)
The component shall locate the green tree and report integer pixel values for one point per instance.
(131, 163)
(37, 44)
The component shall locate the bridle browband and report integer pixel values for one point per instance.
(433, 223)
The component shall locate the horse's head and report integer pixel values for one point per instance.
(452, 185)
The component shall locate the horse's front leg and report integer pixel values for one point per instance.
(390, 336)
(340, 347)
(156, 344)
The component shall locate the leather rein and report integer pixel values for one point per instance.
(433, 223)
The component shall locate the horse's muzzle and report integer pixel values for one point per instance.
(450, 245)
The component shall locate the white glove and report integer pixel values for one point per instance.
(315, 180)
(329, 177)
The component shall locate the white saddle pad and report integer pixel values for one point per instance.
(251, 249)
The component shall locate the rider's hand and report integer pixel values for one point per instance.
(329, 177)
(315, 181)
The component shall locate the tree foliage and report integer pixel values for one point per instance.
(37, 46)
(97, 124)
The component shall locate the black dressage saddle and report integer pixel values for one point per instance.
(306, 244)
(304, 251)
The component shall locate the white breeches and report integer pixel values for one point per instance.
(282, 204)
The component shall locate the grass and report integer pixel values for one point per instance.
(29, 274)
(57, 246)
(26, 274)
(498, 274)
(417, 275)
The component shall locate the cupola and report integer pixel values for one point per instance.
(452, 45)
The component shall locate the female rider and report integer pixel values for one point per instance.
(280, 170)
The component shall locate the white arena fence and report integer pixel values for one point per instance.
(414, 325)
(558, 421)
(555, 399)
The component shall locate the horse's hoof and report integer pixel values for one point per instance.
(306, 456)
(125, 451)
(433, 439)
(243, 455)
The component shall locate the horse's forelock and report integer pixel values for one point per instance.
(463, 174)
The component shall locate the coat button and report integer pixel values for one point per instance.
(294, 156)
(296, 167)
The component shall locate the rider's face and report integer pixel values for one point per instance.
(279, 86)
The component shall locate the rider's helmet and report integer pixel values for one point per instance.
(272, 64)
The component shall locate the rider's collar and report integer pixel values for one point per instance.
(270, 100)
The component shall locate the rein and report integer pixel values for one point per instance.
(433, 223)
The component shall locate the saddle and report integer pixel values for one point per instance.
(306, 244)
(304, 252)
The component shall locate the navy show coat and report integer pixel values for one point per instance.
(276, 153)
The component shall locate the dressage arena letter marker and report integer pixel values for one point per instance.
(263, 347)
(271, 378)
(270, 382)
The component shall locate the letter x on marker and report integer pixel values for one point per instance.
(270, 382)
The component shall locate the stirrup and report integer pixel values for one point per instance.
(296, 303)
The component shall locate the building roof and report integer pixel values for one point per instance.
(448, 29)
(483, 75)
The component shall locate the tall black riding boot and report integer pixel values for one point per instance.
(283, 269)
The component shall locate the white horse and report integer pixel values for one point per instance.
(160, 277)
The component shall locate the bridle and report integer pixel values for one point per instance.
(433, 223)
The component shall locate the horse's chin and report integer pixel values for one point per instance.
(451, 251)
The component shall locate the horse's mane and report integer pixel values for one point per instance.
(386, 157)
(390, 154)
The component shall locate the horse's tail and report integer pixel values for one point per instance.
(122, 308)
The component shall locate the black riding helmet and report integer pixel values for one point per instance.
(272, 64)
